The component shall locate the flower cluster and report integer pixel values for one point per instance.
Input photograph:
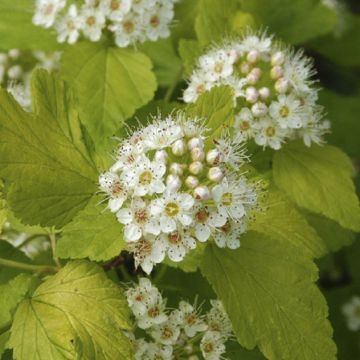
(180, 330)
(131, 21)
(15, 71)
(351, 310)
(171, 186)
(274, 94)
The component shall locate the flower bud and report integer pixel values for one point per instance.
(197, 154)
(14, 53)
(192, 182)
(173, 182)
(253, 56)
(3, 59)
(277, 58)
(196, 167)
(213, 156)
(195, 143)
(259, 109)
(215, 174)
(254, 76)
(177, 169)
(264, 92)
(245, 68)
(15, 72)
(282, 85)
(178, 148)
(276, 72)
(202, 193)
(251, 94)
(161, 155)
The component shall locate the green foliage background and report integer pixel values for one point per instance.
(298, 263)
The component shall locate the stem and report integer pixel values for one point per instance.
(172, 87)
(53, 247)
(23, 266)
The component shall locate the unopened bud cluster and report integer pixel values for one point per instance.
(171, 187)
(131, 21)
(275, 97)
(15, 71)
(182, 331)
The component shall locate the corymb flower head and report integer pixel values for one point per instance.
(276, 100)
(179, 333)
(131, 21)
(172, 186)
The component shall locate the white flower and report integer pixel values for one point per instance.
(178, 243)
(261, 43)
(156, 22)
(140, 296)
(21, 93)
(206, 220)
(146, 177)
(141, 6)
(69, 26)
(138, 220)
(172, 209)
(269, 133)
(166, 333)
(46, 11)
(212, 346)
(115, 10)
(128, 154)
(191, 320)
(111, 184)
(152, 351)
(197, 86)
(287, 112)
(218, 320)
(233, 197)
(147, 252)
(352, 312)
(244, 123)
(228, 234)
(129, 30)
(93, 21)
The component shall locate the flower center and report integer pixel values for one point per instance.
(145, 177)
(270, 131)
(174, 237)
(129, 27)
(71, 25)
(154, 21)
(141, 216)
(219, 67)
(49, 9)
(227, 198)
(244, 125)
(226, 228)
(208, 347)
(117, 188)
(139, 297)
(167, 333)
(200, 89)
(284, 111)
(91, 20)
(154, 312)
(202, 216)
(115, 5)
(191, 319)
(172, 209)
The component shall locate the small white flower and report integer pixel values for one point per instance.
(46, 11)
(115, 10)
(69, 26)
(172, 209)
(128, 154)
(233, 197)
(152, 351)
(212, 346)
(352, 312)
(178, 244)
(218, 321)
(287, 112)
(111, 184)
(138, 220)
(166, 333)
(147, 252)
(146, 177)
(141, 6)
(93, 21)
(191, 320)
(269, 133)
(206, 220)
(197, 86)
(228, 235)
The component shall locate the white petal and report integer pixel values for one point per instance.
(156, 207)
(185, 219)
(189, 242)
(167, 224)
(124, 216)
(202, 232)
(157, 186)
(217, 192)
(217, 220)
(176, 253)
(132, 232)
(116, 203)
(140, 190)
(186, 201)
(152, 227)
